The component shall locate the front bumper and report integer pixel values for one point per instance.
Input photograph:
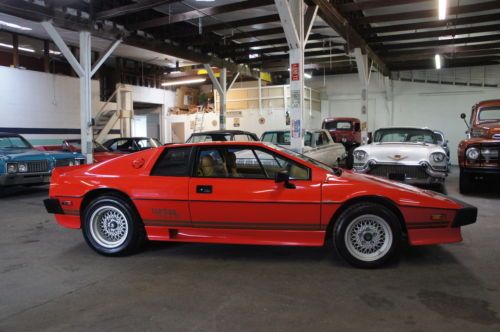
(422, 174)
(465, 216)
(17, 179)
(480, 170)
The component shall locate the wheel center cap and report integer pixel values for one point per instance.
(113, 225)
(367, 237)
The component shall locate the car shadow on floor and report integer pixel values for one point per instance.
(14, 192)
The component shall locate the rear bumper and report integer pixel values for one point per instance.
(24, 179)
(53, 205)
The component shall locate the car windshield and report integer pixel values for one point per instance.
(489, 114)
(14, 142)
(147, 143)
(97, 147)
(302, 157)
(403, 135)
(210, 138)
(338, 125)
(283, 138)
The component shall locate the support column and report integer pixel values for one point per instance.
(291, 14)
(364, 72)
(85, 71)
(15, 50)
(46, 56)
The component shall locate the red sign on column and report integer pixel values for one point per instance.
(295, 72)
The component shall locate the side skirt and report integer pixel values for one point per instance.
(236, 236)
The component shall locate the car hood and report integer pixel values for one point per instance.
(402, 194)
(404, 153)
(490, 129)
(33, 154)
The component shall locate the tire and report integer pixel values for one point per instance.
(124, 231)
(466, 182)
(367, 235)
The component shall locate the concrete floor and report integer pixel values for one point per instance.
(51, 280)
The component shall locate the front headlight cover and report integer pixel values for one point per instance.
(11, 168)
(22, 168)
(472, 153)
(360, 155)
(438, 157)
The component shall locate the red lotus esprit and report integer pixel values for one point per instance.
(248, 193)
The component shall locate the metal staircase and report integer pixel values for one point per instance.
(106, 119)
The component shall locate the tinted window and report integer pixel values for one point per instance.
(173, 162)
(338, 125)
(274, 163)
(229, 163)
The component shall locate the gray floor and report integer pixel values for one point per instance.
(50, 280)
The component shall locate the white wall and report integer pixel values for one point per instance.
(437, 106)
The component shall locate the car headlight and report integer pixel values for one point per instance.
(22, 168)
(438, 157)
(359, 155)
(72, 163)
(472, 153)
(11, 168)
(79, 161)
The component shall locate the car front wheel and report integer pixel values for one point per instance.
(367, 235)
(112, 227)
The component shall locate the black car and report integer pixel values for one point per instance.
(131, 144)
(222, 135)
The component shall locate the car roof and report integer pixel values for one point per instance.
(212, 143)
(5, 134)
(232, 132)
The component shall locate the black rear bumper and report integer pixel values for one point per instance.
(53, 205)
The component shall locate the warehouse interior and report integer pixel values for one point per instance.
(167, 70)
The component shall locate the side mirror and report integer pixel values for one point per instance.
(284, 177)
(463, 116)
(445, 143)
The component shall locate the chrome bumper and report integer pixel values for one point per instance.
(432, 175)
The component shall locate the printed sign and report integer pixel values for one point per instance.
(296, 128)
(294, 72)
(295, 98)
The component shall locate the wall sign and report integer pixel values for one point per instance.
(295, 98)
(296, 128)
(294, 72)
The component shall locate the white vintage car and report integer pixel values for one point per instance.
(411, 155)
(318, 145)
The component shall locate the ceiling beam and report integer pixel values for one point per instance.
(411, 15)
(431, 24)
(334, 19)
(450, 63)
(436, 33)
(131, 8)
(197, 13)
(446, 49)
(370, 4)
(431, 43)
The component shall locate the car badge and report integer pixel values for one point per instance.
(398, 157)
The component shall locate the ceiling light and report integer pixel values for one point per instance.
(19, 48)
(185, 81)
(443, 4)
(437, 60)
(54, 52)
(13, 25)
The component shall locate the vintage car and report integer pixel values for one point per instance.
(22, 164)
(318, 144)
(222, 135)
(131, 144)
(100, 152)
(346, 131)
(443, 142)
(248, 193)
(406, 154)
(479, 154)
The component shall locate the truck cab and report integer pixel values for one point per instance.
(346, 131)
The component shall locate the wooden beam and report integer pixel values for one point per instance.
(419, 14)
(334, 18)
(210, 11)
(131, 8)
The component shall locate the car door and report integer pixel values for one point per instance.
(234, 187)
(162, 197)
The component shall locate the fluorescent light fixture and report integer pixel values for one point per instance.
(19, 48)
(55, 52)
(307, 75)
(14, 26)
(443, 5)
(437, 60)
(185, 81)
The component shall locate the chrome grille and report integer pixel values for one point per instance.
(414, 172)
(63, 162)
(491, 158)
(41, 166)
(496, 136)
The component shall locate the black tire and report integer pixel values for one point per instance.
(466, 182)
(385, 227)
(108, 206)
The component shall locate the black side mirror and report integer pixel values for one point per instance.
(463, 116)
(283, 176)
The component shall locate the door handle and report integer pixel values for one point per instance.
(203, 189)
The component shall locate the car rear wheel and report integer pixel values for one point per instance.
(367, 235)
(466, 183)
(112, 227)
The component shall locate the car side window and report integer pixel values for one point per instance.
(319, 139)
(274, 163)
(308, 139)
(172, 162)
(143, 144)
(269, 137)
(229, 163)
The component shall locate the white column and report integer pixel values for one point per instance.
(86, 96)
(223, 99)
(364, 73)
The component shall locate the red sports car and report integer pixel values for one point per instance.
(248, 193)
